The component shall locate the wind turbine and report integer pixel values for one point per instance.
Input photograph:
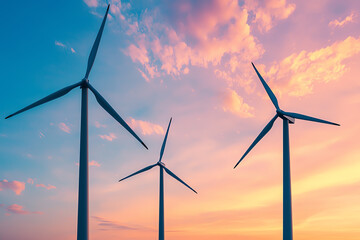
(287, 117)
(83, 200)
(161, 195)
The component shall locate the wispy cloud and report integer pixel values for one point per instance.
(146, 128)
(109, 137)
(107, 224)
(15, 186)
(341, 23)
(99, 125)
(48, 187)
(94, 163)
(18, 209)
(30, 181)
(62, 45)
(63, 127)
(235, 104)
(91, 3)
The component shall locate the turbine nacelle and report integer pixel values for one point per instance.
(161, 164)
(280, 112)
(289, 116)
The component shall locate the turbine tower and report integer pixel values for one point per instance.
(83, 200)
(287, 117)
(161, 195)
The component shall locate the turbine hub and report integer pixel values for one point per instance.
(161, 163)
(84, 83)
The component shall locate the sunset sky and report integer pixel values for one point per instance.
(190, 60)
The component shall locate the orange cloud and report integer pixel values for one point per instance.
(48, 187)
(267, 12)
(146, 128)
(235, 104)
(15, 186)
(109, 137)
(298, 73)
(339, 23)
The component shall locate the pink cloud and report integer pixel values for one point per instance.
(94, 163)
(30, 181)
(91, 3)
(298, 73)
(72, 50)
(146, 128)
(15, 186)
(41, 135)
(60, 44)
(109, 137)
(48, 187)
(99, 125)
(268, 12)
(235, 104)
(341, 23)
(198, 34)
(63, 127)
(18, 209)
(144, 75)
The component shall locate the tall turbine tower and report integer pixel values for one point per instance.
(287, 117)
(161, 196)
(83, 200)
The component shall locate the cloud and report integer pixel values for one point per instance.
(30, 181)
(41, 135)
(146, 128)
(48, 187)
(109, 137)
(297, 73)
(18, 209)
(91, 3)
(268, 12)
(168, 39)
(94, 163)
(99, 125)
(60, 44)
(103, 223)
(235, 104)
(144, 75)
(15, 186)
(339, 23)
(63, 127)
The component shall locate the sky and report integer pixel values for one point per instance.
(189, 60)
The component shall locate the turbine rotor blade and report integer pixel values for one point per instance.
(177, 178)
(164, 142)
(307, 118)
(140, 171)
(105, 105)
(259, 137)
(46, 99)
(267, 89)
(96, 45)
